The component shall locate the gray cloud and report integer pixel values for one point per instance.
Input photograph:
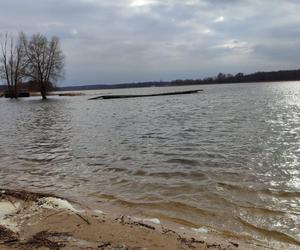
(138, 40)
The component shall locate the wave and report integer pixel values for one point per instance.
(184, 162)
(279, 236)
(282, 193)
(159, 205)
(252, 207)
(271, 192)
(190, 175)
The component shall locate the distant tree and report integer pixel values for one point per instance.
(45, 61)
(208, 79)
(221, 77)
(12, 62)
(239, 75)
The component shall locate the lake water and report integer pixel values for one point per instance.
(227, 158)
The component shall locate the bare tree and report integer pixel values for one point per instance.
(45, 61)
(12, 62)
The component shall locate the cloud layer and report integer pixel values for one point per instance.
(139, 40)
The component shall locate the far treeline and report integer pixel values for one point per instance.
(273, 76)
(34, 59)
(283, 75)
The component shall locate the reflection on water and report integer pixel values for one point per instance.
(227, 158)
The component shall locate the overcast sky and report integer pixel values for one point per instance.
(114, 41)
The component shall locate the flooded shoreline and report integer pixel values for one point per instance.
(226, 159)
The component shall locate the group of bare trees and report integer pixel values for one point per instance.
(36, 59)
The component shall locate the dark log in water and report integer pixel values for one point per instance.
(149, 95)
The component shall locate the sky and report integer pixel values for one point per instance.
(119, 41)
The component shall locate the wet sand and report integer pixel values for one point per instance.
(41, 221)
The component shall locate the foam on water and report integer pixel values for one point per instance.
(203, 230)
(7, 209)
(154, 221)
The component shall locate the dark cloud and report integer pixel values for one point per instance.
(136, 40)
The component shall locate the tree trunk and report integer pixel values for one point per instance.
(12, 92)
(43, 91)
(16, 91)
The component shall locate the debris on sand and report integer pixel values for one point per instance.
(56, 203)
(23, 195)
(46, 239)
(7, 236)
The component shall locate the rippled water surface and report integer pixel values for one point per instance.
(227, 158)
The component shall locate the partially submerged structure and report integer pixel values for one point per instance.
(146, 95)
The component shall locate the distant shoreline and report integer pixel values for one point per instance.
(104, 87)
(258, 77)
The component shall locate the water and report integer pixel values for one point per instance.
(227, 158)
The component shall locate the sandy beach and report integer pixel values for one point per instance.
(41, 221)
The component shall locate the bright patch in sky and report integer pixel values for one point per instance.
(234, 44)
(141, 3)
(207, 31)
(219, 19)
(74, 32)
